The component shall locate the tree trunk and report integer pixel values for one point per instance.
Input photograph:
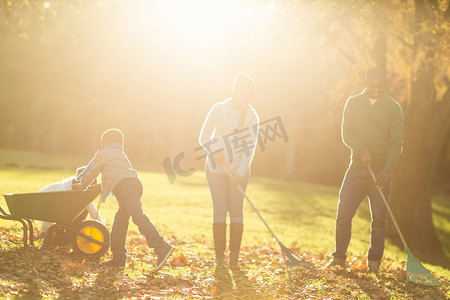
(412, 185)
(426, 126)
(427, 123)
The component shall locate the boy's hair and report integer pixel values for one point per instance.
(112, 135)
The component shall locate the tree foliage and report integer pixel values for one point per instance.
(72, 69)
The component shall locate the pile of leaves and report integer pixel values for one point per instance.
(190, 274)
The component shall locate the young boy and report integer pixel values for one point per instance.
(121, 180)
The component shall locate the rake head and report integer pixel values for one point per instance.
(416, 272)
(293, 260)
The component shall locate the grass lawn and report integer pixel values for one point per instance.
(301, 214)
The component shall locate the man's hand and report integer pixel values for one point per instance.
(236, 180)
(218, 158)
(76, 186)
(382, 179)
(366, 159)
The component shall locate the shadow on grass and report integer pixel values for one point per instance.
(18, 272)
(223, 285)
(29, 273)
(355, 283)
(378, 287)
(233, 283)
(244, 287)
(104, 284)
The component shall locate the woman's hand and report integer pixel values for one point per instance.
(218, 158)
(236, 180)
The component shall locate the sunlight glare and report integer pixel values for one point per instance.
(271, 7)
(205, 21)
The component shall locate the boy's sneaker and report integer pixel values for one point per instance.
(163, 254)
(114, 263)
(336, 262)
(373, 266)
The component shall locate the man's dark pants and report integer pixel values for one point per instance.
(356, 186)
(128, 193)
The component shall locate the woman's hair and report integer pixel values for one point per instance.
(112, 135)
(243, 82)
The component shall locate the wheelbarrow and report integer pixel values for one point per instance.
(67, 210)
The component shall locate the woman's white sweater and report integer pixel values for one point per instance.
(220, 133)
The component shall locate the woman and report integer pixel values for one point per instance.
(229, 135)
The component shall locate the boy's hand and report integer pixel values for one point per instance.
(96, 186)
(76, 186)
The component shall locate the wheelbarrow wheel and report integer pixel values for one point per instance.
(95, 230)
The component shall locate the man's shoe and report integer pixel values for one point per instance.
(163, 254)
(114, 263)
(373, 266)
(336, 262)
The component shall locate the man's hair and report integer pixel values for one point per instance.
(243, 81)
(112, 135)
(375, 73)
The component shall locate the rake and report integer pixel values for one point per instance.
(290, 259)
(415, 271)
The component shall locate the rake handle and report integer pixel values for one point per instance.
(251, 204)
(388, 208)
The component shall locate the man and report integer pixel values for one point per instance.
(372, 127)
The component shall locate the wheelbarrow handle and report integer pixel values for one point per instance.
(26, 237)
(87, 237)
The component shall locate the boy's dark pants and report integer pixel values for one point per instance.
(356, 186)
(128, 193)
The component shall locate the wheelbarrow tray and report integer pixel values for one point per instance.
(58, 207)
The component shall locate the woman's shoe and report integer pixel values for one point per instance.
(236, 230)
(220, 241)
